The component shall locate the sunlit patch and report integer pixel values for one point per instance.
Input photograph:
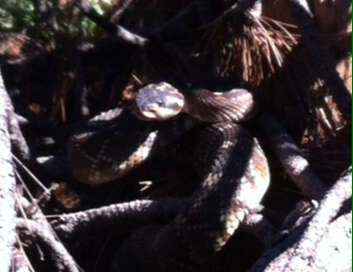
(254, 184)
(137, 157)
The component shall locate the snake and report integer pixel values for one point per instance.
(227, 157)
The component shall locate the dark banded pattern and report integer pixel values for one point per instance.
(235, 180)
(236, 105)
(111, 152)
(233, 168)
(236, 177)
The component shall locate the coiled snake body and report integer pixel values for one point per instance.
(230, 161)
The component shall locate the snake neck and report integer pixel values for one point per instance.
(236, 105)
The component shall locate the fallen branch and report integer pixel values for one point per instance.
(300, 250)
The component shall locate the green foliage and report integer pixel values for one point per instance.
(22, 16)
(16, 15)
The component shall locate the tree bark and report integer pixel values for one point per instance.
(317, 243)
(7, 186)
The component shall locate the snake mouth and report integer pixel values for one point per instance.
(156, 112)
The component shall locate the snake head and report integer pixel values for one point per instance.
(158, 102)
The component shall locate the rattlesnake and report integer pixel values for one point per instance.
(228, 158)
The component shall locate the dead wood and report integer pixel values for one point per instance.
(7, 187)
(309, 238)
(299, 248)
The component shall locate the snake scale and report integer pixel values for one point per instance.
(232, 166)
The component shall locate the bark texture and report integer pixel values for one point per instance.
(7, 186)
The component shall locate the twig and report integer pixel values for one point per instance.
(60, 257)
(29, 172)
(7, 187)
(124, 35)
(320, 56)
(291, 158)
